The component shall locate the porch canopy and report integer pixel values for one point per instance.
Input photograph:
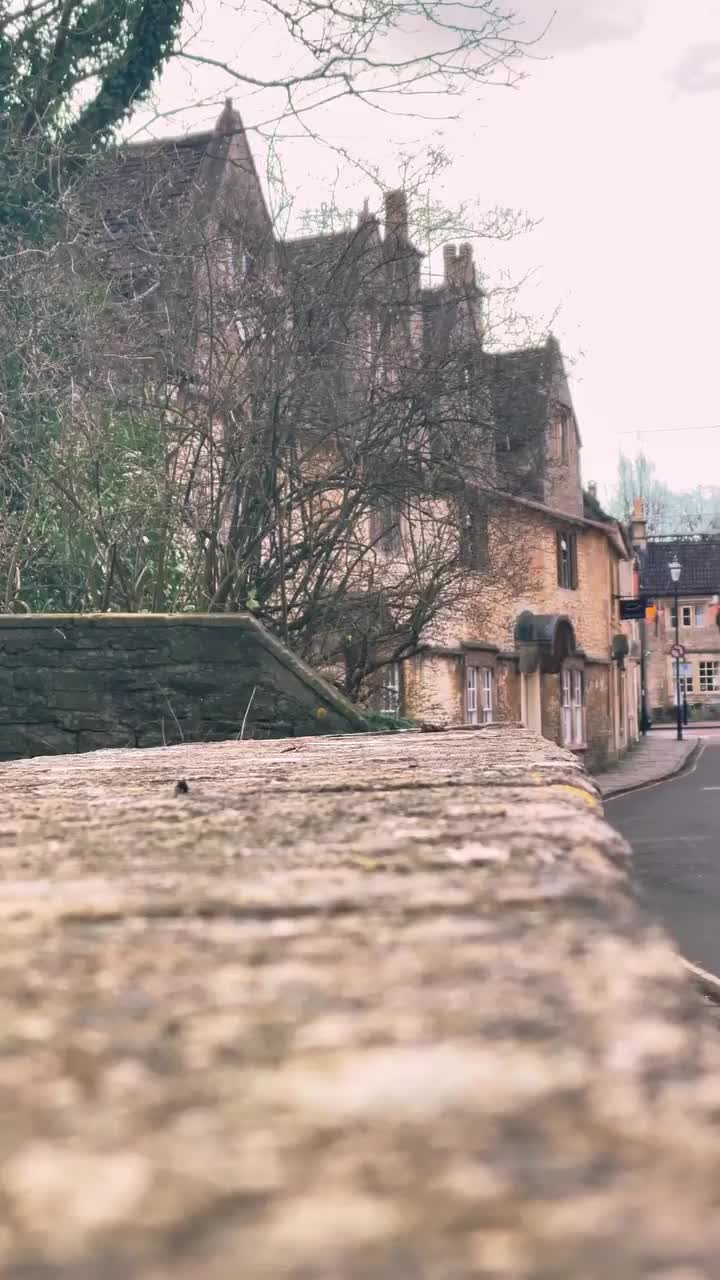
(544, 641)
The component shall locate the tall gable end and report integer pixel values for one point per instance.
(240, 207)
(147, 207)
(538, 440)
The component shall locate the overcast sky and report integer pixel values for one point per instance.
(611, 143)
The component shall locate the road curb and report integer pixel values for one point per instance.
(660, 777)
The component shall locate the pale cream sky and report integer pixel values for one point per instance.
(611, 143)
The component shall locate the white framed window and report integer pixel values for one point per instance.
(686, 685)
(572, 709)
(486, 679)
(523, 699)
(478, 695)
(687, 615)
(471, 704)
(391, 689)
(709, 677)
(673, 616)
(699, 615)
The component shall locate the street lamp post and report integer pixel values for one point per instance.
(675, 568)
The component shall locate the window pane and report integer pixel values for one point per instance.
(709, 677)
(391, 689)
(687, 615)
(486, 676)
(700, 615)
(471, 695)
(578, 726)
(673, 616)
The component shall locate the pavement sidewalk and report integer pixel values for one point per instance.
(653, 759)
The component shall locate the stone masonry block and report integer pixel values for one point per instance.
(378, 1007)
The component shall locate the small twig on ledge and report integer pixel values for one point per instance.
(247, 712)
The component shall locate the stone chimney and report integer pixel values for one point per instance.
(638, 526)
(396, 215)
(364, 216)
(459, 266)
(229, 120)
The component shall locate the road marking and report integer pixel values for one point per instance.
(710, 981)
(711, 788)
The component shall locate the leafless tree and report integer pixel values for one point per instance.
(317, 441)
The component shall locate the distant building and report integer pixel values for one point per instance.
(698, 594)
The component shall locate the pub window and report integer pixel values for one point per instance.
(567, 559)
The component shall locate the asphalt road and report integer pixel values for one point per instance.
(674, 830)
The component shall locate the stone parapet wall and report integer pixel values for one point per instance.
(376, 1007)
(81, 682)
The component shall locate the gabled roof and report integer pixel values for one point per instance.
(593, 510)
(141, 193)
(162, 171)
(521, 387)
(700, 566)
(612, 529)
(526, 383)
(325, 254)
(147, 198)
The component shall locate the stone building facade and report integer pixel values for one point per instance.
(698, 601)
(536, 635)
(554, 656)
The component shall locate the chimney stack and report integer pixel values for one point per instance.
(638, 526)
(459, 266)
(396, 215)
(229, 120)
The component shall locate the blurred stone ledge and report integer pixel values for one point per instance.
(375, 1006)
